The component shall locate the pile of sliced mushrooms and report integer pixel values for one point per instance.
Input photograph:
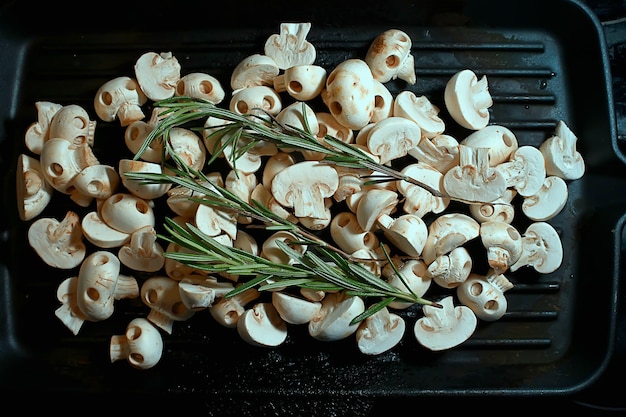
(488, 167)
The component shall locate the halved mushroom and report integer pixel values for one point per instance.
(445, 327)
(142, 189)
(290, 47)
(161, 295)
(334, 320)
(73, 123)
(301, 82)
(120, 98)
(548, 201)
(440, 152)
(500, 141)
(411, 276)
(261, 325)
(188, 146)
(468, 99)
(417, 199)
(137, 132)
(294, 309)
(452, 269)
(33, 191)
(380, 332)
(500, 209)
(142, 252)
(253, 70)
(542, 249)
(525, 170)
(200, 85)
(503, 243)
(58, 243)
(447, 232)
(228, 311)
(101, 234)
(256, 101)
(349, 235)
(561, 155)
(389, 57)
(37, 132)
(126, 212)
(374, 203)
(421, 111)
(61, 161)
(141, 345)
(157, 74)
(199, 292)
(392, 138)
(304, 186)
(473, 179)
(97, 181)
(407, 232)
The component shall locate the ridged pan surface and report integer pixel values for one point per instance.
(542, 68)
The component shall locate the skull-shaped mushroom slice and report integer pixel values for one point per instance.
(304, 186)
(33, 191)
(97, 181)
(259, 100)
(120, 98)
(468, 99)
(349, 235)
(301, 82)
(162, 295)
(561, 155)
(38, 132)
(141, 345)
(448, 271)
(380, 332)
(61, 161)
(334, 320)
(200, 85)
(542, 249)
(485, 295)
(255, 69)
(503, 243)
(445, 327)
(58, 243)
(290, 47)
(100, 284)
(349, 94)
(157, 74)
(548, 201)
(389, 57)
(261, 325)
(72, 123)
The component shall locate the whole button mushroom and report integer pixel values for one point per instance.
(349, 93)
(120, 98)
(141, 345)
(468, 100)
(389, 57)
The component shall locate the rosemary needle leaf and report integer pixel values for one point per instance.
(373, 309)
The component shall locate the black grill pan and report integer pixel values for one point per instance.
(545, 61)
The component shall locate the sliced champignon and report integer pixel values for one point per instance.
(440, 152)
(375, 203)
(188, 146)
(213, 221)
(290, 47)
(383, 102)
(334, 320)
(68, 312)
(73, 123)
(380, 332)
(548, 201)
(445, 327)
(451, 270)
(120, 98)
(500, 141)
(200, 85)
(349, 235)
(33, 191)
(294, 309)
(411, 276)
(61, 161)
(561, 154)
(304, 186)
(136, 134)
(272, 252)
(142, 189)
(97, 181)
(126, 212)
(100, 283)
(468, 100)
(141, 345)
(228, 311)
(542, 249)
(485, 295)
(406, 232)
(261, 325)
(473, 179)
(142, 252)
(161, 295)
(420, 110)
(256, 101)
(199, 292)
(503, 243)
(392, 138)
(525, 170)
(101, 234)
(501, 209)
(37, 132)
(389, 57)
(448, 232)
(253, 70)
(157, 74)
(58, 243)
(417, 199)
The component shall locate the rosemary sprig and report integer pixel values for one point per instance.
(255, 128)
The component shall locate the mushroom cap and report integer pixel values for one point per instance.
(141, 345)
(293, 309)
(446, 327)
(301, 82)
(333, 321)
(389, 56)
(420, 110)
(448, 232)
(468, 100)
(126, 212)
(97, 281)
(101, 234)
(200, 85)
(393, 137)
(548, 201)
